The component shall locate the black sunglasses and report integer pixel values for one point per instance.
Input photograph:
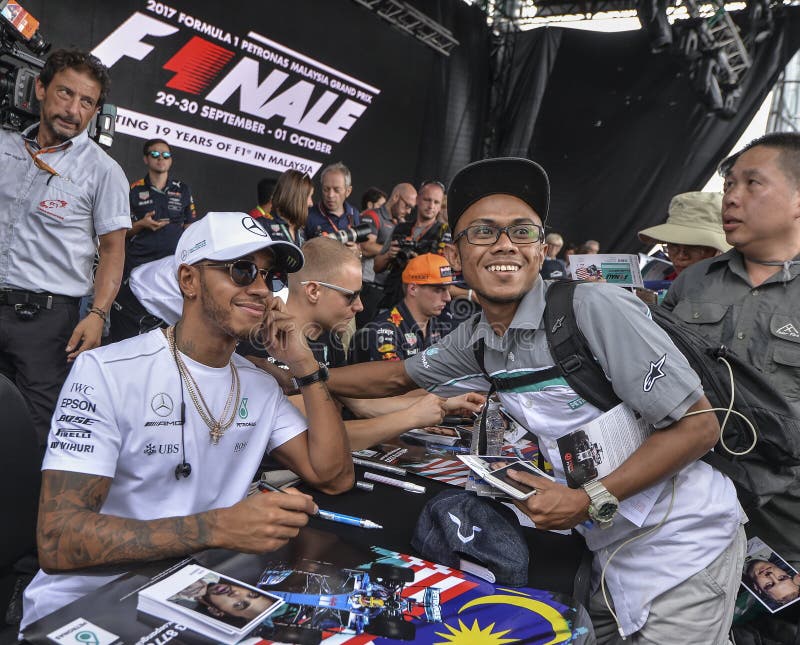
(244, 272)
(155, 154)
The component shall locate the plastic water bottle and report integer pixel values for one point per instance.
(495, 432)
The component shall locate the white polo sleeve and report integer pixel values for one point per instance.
(84, 431)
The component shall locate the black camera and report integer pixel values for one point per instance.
(409, 248)
(19, 69)
(357, 233)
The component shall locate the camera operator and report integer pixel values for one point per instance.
(378, 255)
(425, 234)
(59, 191)
(333, 214)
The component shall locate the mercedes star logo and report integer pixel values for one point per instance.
(254, 227)
(162, 404)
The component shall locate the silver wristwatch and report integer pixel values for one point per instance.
(602, 504)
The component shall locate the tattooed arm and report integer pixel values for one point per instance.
(73, 534)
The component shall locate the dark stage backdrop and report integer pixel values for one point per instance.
(242, 90)
(619, 129)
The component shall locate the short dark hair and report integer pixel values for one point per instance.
(371, 194)
(265, 188)
(150, 143)
(788, 145)
(80, 61)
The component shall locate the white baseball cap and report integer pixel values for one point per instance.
(227, 236)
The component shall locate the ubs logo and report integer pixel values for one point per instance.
(162, 404)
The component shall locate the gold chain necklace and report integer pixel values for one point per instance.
(216, 428)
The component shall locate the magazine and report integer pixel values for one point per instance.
(622, 270)
(769, 578)
(494, 469)
(221, 608)
(599, 447)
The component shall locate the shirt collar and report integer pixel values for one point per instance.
(734, 260)
(528, 315)
(29, 134)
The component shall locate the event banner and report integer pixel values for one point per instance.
(237, 95)
(244, 90)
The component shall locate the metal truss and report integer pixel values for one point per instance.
(414, 23)
(784, 115)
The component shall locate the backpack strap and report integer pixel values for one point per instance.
(573, 357)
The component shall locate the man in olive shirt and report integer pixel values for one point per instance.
(749, 298)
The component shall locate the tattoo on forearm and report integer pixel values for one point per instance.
(73, 534)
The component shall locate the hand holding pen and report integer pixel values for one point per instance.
(327, 515)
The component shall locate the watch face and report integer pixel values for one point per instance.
(606, 511)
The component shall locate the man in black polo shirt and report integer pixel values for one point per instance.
(161, 207)
(412, 324)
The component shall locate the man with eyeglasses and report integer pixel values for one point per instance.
(60, 193)
(413, 323)
(424, 234)
(180, 423)
(161, 208)
(689, 531)
(692, 232)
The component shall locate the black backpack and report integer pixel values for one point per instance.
(774, 461)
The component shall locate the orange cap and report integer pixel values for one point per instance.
(428, 268)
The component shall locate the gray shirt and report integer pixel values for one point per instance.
(650, 375)
(760, 324)
(384, 237)
(49, 223)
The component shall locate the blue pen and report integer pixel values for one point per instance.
(459, 450)
(327, 515)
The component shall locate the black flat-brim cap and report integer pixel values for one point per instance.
(515, 176)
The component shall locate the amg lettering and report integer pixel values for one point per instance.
(78, 404)
(150, 424)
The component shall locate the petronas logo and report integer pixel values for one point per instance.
(243, 409)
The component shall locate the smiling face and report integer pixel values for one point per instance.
(503, 272)
(761, 205)
(229, 309)
(67, 105)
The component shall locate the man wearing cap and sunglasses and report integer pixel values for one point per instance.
(674, 573)
(171, 426)
(412, 324)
